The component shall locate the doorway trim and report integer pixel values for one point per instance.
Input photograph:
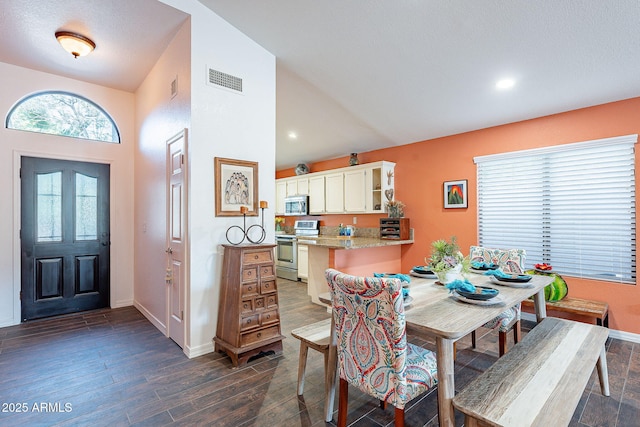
(17, 210)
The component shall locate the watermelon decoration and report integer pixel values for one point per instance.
(557, 290)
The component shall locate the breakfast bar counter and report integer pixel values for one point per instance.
(372, 255)
(350, 243)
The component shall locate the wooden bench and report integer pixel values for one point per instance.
(597, 310)
(539, 382)
(316, 336)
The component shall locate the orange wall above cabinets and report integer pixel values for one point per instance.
(422, 167)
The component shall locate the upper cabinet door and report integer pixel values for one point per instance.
(334, 193)
(316, 195)
(281, 193)
(303, 186)
(355, 191)
(292, 187)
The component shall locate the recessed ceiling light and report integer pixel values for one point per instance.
(505, 84)
(293, 135)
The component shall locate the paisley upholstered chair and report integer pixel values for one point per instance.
(373, 353)
(509, 261)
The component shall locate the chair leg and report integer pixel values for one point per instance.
(302, 366)
(473, 339)
(455, 350)
(399, 417)
(502, 343)
(342, 403)
(517, 332)
(383, 404)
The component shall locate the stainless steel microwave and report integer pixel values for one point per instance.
(296, 205)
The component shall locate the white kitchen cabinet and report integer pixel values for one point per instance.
(316, 195)
(292, 187)
(303, 186)
(303, 262)
(334, 193)
(355, 191)
(281, 193)
(297, 186)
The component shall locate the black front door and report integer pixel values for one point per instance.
(64, 237)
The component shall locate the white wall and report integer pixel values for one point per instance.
(16, 83)
(223, 124)
(158, 118)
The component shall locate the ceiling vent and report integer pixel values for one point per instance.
(219, 79)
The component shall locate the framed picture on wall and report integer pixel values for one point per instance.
(455, 194)
(236, 187)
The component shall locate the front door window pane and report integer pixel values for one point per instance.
(86, 207)
(49, 207)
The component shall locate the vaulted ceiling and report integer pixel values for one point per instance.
(358, 75)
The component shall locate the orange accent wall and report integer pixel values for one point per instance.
(364, 262)
(422, 167)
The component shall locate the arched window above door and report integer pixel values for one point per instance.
(64, 114)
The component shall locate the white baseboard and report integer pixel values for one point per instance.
(613, 333)
(154, 320)
(8, 322)
(200, 350)
(123, 303)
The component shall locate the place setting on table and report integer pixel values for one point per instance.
(461, 289)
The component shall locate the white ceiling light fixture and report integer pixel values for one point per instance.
(75, 44)
(293, 135)
(505, 84)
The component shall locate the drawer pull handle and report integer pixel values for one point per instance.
(248, 321)
(268, 316)
(259, 334)
(256, 256)
(245, 306)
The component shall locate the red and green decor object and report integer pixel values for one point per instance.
(558, 289)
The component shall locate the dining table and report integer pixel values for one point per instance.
(434, 311)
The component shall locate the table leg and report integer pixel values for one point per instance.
(330, 375)
(540, 305)
(446, 383)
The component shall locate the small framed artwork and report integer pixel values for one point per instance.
(455, 194)
(236, 187)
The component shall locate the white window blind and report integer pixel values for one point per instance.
(571, 206)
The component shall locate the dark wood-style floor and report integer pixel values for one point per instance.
(113, 368)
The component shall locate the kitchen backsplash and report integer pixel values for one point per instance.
(359, 232)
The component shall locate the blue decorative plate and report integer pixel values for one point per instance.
(482, 293)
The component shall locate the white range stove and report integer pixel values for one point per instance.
(287, 248)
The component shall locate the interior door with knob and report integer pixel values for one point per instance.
(64, 234)
(176, 234)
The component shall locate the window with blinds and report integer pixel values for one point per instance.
(571, 206)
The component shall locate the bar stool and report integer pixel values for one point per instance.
(316, 336)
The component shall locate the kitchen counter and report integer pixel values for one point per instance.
(350, 243)
(372, 255)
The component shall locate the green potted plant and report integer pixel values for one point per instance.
(447, 258)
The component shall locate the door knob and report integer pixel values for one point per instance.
(169, 251)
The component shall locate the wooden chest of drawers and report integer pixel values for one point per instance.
(248, 315)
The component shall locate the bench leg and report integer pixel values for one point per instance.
(302, 366)
(604, 321)
(603, 373)
(473, 339)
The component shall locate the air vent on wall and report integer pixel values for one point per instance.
(220, 79)
(174, 87)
